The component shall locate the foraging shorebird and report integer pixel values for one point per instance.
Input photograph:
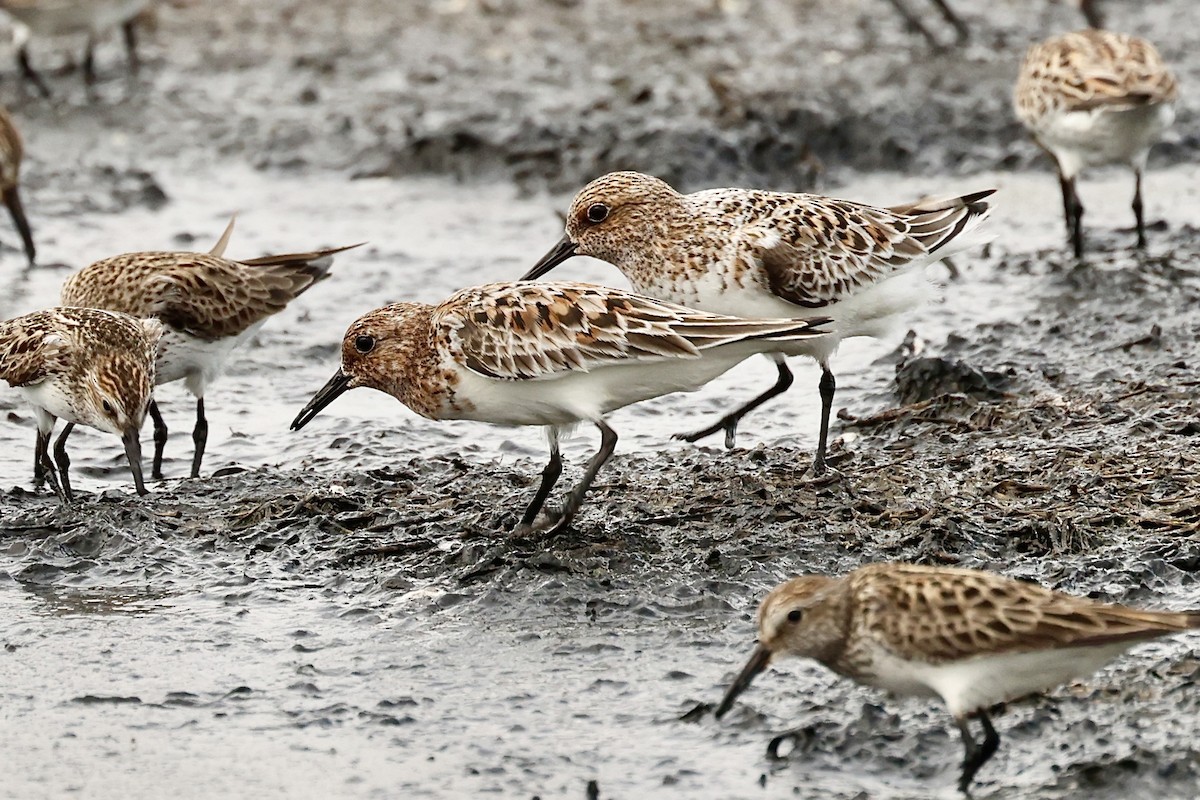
(1095, 97)
(972, 638)
(12, 150)
(767, 254)
(37, 18)
(84, 366)
(549, 354)
(208, 304)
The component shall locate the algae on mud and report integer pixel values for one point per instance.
(344, 614)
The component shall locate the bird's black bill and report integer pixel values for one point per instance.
(336, 386)
(757, 663)
(133, 452)
(558, 254)
(12, 199)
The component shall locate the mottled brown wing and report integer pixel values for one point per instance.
(948, 614)
(1091, 69)
(824, 249)
(530, 330)
(29, 345)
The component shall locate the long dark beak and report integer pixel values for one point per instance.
(558, 254)
(133, 452)
(757, 663)
(12, 199)
(337, 385)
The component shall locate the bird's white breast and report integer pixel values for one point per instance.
(182, 356)
(1080, 139)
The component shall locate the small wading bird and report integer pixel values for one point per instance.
(1095, 97)
(208, 304)
(11, 153)
(763, 254)
(92, 18)
(87, 367)
(549, 354)
(972, 638)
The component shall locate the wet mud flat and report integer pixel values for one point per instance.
(387, 636)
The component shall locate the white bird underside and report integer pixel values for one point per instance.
(194, 360)
(69, 17)
(981, 682)
(1104, 135)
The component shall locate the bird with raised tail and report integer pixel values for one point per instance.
(549, 354)
(765, 254)
(208, 304)
(1095, 97)
(969, 637)
(84, 366)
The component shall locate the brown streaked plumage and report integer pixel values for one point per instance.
(85, 366)
(92, 18)
(12, 151)
(765, 254)
(209, 305)
(549, 354)
(1095, 97)
(970, 637)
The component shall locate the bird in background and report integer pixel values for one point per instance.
(12, 150)
(86, 367)
(209, 305)
(547, 354)
(760, 254)
(972, 638)
(1095, 97)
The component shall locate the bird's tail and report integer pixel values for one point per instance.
(307, 268)
(941, 224)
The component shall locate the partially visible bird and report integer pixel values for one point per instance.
(208, 304)
(1095, 97)
(38, 18)
(12, 150)
(84, 366)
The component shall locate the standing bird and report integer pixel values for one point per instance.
(550, 354)
(11, 152)
(972, 638)
(208, 304)
(762, 254)
(85, 366)
(1095, 97)
(73, 17)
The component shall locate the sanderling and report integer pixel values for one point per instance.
(1095, 97)
(71, 17)
(11, 152)
(767, 255)
(973, 638)
(85, 366)
(550, 354)
(209, 305)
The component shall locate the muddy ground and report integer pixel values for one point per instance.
(342, 612)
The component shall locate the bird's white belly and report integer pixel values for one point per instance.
(182, 356)
(48, 397)
(64, 17)
(574, 396)
(1081, 139)
(984, 681)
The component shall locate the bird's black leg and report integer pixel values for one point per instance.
(1137, 210)
(160, 440)
(130, 31)
(29, 73)
(729, 422)
(39, 468)
(1091, 12)
(1068, 210)
(976, 754)
(608, 443)
(914, 23)
(1076, 220)
(550, 477)
(962, 32)
(199, 437)
(48, 468)
(827, 387)
(63, 460)
(89, 62)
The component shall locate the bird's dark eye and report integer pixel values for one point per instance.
(107, 406)
(364, 344)
(597, 212)
(794, 615)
